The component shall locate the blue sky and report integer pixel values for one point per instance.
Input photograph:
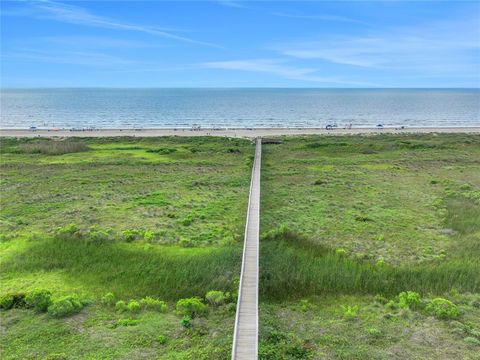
(240, 44)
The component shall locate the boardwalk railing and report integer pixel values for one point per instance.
(245, 337)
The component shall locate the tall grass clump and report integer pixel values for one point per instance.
(53, 147)
(293, 267)
(131, 269)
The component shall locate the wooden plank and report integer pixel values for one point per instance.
(245, 338)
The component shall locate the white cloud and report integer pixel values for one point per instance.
(84, 58)
(279, 68)
(442, 47)
(230, 3)
(72, 14)
(90, 42)
(322, 17)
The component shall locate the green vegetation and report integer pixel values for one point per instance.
(150, 303)
(131, 248)
(125, 192)
(65, 306)
(120, 306)
(364, 239)
(364, 327)
(110, 226)
(443, 309)
(375, 192)
(39, 300)
(58, 147)
(191, 307)
(216, 297)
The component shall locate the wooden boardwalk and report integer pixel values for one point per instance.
(245, 337)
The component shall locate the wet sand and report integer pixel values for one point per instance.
(243, 133)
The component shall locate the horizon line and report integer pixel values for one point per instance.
(232, 87)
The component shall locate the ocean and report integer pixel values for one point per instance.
(237, 108)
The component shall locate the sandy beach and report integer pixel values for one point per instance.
(242, 133)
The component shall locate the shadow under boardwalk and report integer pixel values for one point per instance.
(245, 338)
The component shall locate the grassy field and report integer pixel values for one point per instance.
(136, 217)
(348, 224)
(370, 246)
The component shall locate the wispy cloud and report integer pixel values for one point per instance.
(95, 59)
(72, 14)
(89, 42)
(322, 17)
(444, 46)
(230, 3)
(279, 68)
(84, 58)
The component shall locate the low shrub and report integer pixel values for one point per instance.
(363, 218)
(108, 299)
(97, 236)
(127, 322)
(67, 231)
(381, 299)
(278, 345)
(6, 302)
(9, 301)
(350, 312)
(162, 339)
(314, 145)
(470, 340)
(305, 305)
(120, 306)
(380, 263)
(392, 305)
(131, 235)
(150, 303)
(233, 151)
(374, 333)
(191, 307)
(186, 322)
(65, 306)
(442, 309)
(409, 300)
(249, 160)
(39, 300)
(186, 243)
(133, 306)
(148, 235)
(162, 151)
(283, 232)
(187, 221)
(320, 182)
(215, 297)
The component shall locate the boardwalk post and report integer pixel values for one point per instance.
(245, 337)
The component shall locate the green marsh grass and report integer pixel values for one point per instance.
(351, 219)
(289, 272)
(125, 269)
(53, 147)
(388, 203)
(404, 216)
(120, 185)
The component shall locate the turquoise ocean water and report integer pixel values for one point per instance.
(239, 108)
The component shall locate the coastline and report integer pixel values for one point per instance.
(229, 132)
